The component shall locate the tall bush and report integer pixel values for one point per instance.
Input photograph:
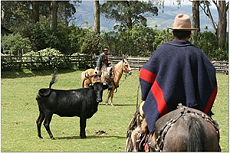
(64, 38)
(47, 58)
(208, 44)
(16, 44)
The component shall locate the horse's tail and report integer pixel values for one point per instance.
(83, 78)
(196, 139)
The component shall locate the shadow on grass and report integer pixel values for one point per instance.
(30, 73)
(117, 104)
(90, 137)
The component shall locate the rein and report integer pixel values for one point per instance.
(160, 139)
(121, 73)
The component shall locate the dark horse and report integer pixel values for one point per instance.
(186, 130)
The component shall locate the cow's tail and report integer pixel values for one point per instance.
(196, 135)
(46, 91)
(53, 80)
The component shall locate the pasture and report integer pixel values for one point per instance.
(20, 111)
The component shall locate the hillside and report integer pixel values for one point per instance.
(85, 17)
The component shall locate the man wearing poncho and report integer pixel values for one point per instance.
(177, 72)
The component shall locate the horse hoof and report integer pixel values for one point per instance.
(40, 137)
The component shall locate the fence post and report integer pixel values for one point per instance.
(31, 62)
(11, 61)
(21, 62)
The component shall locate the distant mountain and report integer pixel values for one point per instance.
(85, 17)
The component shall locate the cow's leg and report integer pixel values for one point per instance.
(47, 121)
(82, 127)
(39, 123)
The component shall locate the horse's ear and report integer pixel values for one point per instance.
(123, 57)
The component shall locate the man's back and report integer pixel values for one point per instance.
(185, 73)
(182, 74)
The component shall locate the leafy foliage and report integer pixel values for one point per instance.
(47, 58)
(127, 12)
(131, 37)
(15, 43)
(65, 38)
(90, 42)
(208, 43)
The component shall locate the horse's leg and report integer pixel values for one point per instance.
(108, 98)
(111, 97)
(134, 139)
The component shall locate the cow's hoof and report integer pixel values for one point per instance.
(40, 137)
(83, 136)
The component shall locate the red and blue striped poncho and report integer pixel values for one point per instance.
(177, 72)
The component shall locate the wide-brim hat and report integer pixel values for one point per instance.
(182, 22)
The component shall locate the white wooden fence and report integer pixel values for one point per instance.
(138, 62)
(135, 62)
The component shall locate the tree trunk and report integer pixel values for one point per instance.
(35, 11)
(196, 18)
(54, 9)
(97, 17)
(222, 24)
(129, 16)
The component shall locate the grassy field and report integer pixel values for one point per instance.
(20, 111)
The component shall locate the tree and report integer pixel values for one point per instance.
(221, 26)
(17, 15)
(53, 14)
(128, 12)
(196, 18)
(35, 11)
(97, 17)
(66, 11)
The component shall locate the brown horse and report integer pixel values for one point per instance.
(182, 130)
(114, 79)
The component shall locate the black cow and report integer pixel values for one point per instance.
(81, 102)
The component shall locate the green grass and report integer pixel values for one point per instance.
(20, 111)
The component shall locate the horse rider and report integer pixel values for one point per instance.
(177, 72)
(103, 59)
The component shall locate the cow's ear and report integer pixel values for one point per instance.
(90, 85)
(105, 86)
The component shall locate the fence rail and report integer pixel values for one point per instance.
(82, 61)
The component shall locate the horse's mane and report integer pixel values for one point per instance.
(120, 62)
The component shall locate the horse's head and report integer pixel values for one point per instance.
(126, 67)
